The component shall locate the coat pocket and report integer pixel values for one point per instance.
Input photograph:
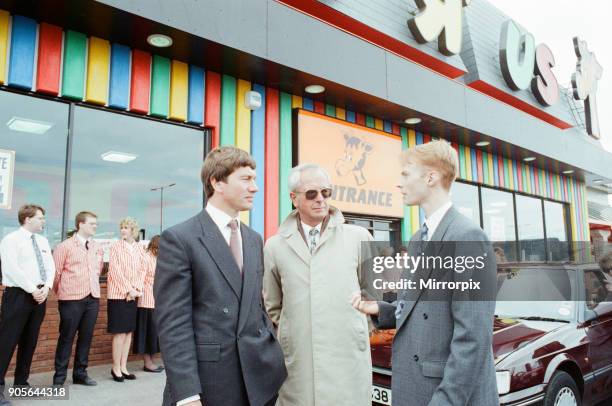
(433, 369)
(208, 352)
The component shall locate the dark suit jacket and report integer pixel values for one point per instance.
(216, 339)
(442, 349)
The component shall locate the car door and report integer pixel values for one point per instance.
(599, 332)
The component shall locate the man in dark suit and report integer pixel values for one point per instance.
(217, 343)
(442, 349)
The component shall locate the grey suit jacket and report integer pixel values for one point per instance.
(442, 350)
(216, 339)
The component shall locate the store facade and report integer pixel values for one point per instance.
(97, 117)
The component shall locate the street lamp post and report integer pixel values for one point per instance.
(161, 203)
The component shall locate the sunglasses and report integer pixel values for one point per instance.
(313, 193)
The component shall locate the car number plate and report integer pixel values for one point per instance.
(381, 395)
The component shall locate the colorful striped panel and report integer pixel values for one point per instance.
(119, 87)
(369, 121)
(212, 115)
(4, 34)
(414, 210)
(330, 110)
(319, 107)
(350, 116)
(340, 113)
(22, 53)
(395, 129)
(73, 73)
(272, 162)
(258, 150)
(141, 82)
(308, 104)
(378, 124)
(490, 168)
(461, 157)
(484, 158)
(98, 68)
(243, 118)
(479, 166)
(468, 163)
(285, 155)
(418, 138)
(228, 110)
(426, 138)
(406, 225)
(360, 119)
(49, 59)
(296, 102)
(474, 161)
(160, 86)
(387, 127)
(179, 91)
(515, 175)
(197, 87)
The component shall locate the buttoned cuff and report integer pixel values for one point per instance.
(189, 399)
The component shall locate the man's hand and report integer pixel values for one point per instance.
(368, 307)
(40, 295)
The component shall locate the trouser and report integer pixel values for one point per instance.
(75, 316)
(20, 320)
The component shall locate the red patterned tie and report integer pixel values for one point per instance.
(235, 243)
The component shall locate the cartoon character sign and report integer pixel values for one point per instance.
(356, 152)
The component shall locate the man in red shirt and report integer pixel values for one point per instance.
(77, 285)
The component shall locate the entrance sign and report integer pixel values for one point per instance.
(584, 82)
(442, 20)
(7, 169)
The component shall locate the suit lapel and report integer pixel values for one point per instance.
(428, 250)
(249, 274)
(215, 244)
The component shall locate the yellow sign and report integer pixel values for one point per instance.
(363, 163)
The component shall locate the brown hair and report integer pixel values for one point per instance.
(153, 246)
(220, 163)
(28, 211)
(81, 217)
(438, 155)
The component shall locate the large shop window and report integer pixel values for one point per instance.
(498, 222)
(530, 228)
(465, 200)
(117, 159)
(555, 217)
(36, 131)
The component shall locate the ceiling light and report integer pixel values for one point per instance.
(314, 89)
(529, 159)
(28, 126)
(569, 171)
(412, 120)
(159, 40)
(482, 143)
(120, 157)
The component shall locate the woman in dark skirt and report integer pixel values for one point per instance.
(146, 341)
(125, 284)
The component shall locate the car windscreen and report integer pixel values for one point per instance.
(536, 293)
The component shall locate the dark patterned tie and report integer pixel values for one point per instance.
(424, 230)
(39, 259)
(312, 234)
(235, 243)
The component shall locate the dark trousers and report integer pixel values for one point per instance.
(20, 320)
(75, 316)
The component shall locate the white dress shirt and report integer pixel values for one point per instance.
(433, 221)
(221, 219)
(19, 264)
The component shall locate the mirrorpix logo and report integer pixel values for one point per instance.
(356, 153)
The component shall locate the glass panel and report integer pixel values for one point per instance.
(382, 235)
(556, 231)
(465, 200)
(530, 228)
(118, 159)
(498, 219)
(36, 130)
(598, 285)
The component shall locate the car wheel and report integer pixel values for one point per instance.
(562, 391)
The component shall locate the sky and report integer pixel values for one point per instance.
(555, 23)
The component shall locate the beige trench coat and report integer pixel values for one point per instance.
(325, 340)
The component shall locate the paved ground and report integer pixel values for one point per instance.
(146, 390)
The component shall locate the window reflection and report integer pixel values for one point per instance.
(498, 221)
(116, 161)
(530, 228)
(36, 130)
(465, 199)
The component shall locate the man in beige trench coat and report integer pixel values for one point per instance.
(312, 267)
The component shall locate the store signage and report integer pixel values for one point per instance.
(7, 169)
(442, 20)
(352, 154)
(584, 83)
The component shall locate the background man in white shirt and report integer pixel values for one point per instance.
(28, 271)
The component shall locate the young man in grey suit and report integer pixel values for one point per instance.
(442, 350)
(217, 343)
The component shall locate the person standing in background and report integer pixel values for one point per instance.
(145, 337)
(125, 284)
(28, 272)
(79, 262)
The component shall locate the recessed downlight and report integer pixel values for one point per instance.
(569, 171)
(412, 120)
(482, 143)
(159, 40)
(314, 89)
(529, 159)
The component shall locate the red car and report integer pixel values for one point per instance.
(552, 352)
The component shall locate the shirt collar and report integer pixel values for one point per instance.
(307, 228)
(26, 232)
(80, 239)
(433, 221)
(219, 217)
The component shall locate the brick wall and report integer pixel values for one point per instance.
(100, 351)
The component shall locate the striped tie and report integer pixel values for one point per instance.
(39, 259)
